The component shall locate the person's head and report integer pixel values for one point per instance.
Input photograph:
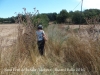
(40, 27)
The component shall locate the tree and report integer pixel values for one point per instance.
(78, 18)
(71, 13)
(1, 20)
(61, 17)
(52, 16)
(40, 19)
(89, 13)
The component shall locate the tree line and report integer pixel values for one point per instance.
(76, 17)
(7, 20)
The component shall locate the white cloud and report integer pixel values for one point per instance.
(87, 4)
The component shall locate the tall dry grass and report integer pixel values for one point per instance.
(66, 51)
(62, 50)
(79, 51)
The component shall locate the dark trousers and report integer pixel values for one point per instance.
(41, 46)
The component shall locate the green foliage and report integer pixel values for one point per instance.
(78, 18)
(52, 16)
(71, 13)
(62, 16)
(1, 20)
(88, 13)
(40, 19)
(7, 20)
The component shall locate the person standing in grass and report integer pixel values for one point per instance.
(41, 38)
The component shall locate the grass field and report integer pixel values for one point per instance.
(67, 52)
(8, 33)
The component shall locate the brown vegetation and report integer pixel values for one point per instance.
(65, 49)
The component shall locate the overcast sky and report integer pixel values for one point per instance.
(9, 7)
